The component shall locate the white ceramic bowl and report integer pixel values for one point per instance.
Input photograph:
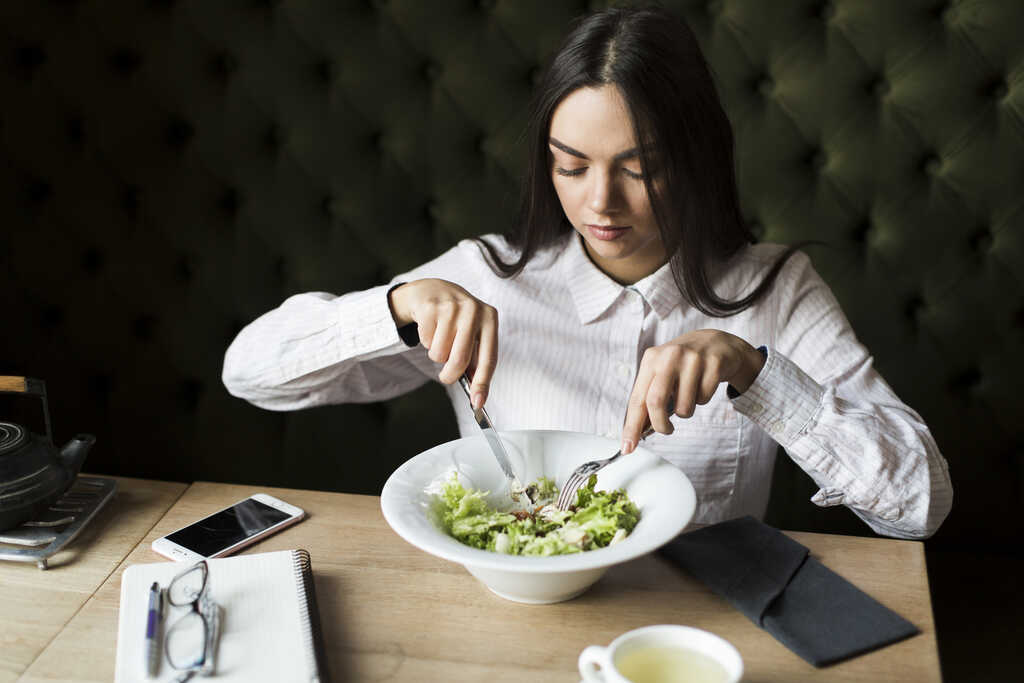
(661, 491)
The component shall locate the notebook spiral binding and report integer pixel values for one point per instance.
(303, 569)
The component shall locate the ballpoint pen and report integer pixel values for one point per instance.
(153, 618)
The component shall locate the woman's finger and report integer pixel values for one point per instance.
(461, 351)
(426, 326)
(636, 410)
(441, 343)
(658, 394)
(689, 382)
(486, 359)
(710, 379)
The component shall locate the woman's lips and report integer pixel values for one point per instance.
(607, 232)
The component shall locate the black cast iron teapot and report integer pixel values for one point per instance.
(33, 473)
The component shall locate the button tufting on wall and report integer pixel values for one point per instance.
(92, 261)
(51, 317)
(234, 327)
(100, 385)
(826, 11)
(913, 308)
(714, 8)
(860, 232)
(223, 65)
(931, 165)
(756, 228)
(431, 71)
(280, 269)
(981, 240)
(485, 4)
(230, 201)
(125, 61)
(38, 191)
(274, 137)
(183, 271)
(178, 133)
(130, 199)
(327, 207)
(764, 85)
(995, 87)
(76, 130)
(432, 211)
(29, 57)
(191, 392)
(324, 71)
(878, 86)
(143, 327)
(816, 158)
(534, 74)
(965, 381)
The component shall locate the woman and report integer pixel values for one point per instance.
(629, 285)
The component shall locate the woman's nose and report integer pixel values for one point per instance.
(602, 193)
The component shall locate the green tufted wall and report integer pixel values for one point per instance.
(174, 169)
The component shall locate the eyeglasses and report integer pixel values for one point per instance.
(190, 641)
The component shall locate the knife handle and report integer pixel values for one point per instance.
(464, 383)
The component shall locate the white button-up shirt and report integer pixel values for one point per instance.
(570, 343)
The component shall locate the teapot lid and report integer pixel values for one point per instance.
(11, 436)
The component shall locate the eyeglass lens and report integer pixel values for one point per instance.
(186, 587)
(186, 642)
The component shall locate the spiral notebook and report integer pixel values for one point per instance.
(269, 623)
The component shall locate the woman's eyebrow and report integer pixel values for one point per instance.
(628, 154)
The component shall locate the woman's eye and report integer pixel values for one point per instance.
(569, 172)
(633, 174)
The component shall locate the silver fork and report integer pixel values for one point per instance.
(581, 474)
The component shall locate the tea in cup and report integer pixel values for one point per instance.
(662, 654)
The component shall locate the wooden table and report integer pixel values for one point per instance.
(35, 605)
(392, 612)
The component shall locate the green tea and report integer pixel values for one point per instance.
(670, 665)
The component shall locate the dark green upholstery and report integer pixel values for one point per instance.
(174, 169)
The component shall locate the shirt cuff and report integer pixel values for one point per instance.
(410, 334)
(783, 399)
(368, 325)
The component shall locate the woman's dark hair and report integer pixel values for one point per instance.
(684, 139)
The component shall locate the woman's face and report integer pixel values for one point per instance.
(595, 168)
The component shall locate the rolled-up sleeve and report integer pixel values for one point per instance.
(820, 397)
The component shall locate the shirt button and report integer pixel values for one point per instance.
(623, 370)
(757, 408)
(776, 427)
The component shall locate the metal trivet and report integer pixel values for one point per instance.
(58, 525)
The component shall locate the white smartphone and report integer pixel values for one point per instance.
(230, 529)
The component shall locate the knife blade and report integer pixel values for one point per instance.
(494, 441)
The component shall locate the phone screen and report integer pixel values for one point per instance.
(227, 527)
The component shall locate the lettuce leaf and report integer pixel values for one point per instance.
(598, 515)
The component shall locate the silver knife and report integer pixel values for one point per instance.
(497, 448)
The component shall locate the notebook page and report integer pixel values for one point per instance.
(261, 631)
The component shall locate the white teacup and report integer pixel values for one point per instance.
(662, 654)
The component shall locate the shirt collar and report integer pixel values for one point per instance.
(594, 292)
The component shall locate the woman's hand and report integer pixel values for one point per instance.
(455, 327)
(686, 372)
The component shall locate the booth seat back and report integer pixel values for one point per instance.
(174, 169)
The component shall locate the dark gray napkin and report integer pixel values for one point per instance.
(773, 580)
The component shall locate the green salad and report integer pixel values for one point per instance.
(598, 519)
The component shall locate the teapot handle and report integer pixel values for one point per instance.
(10, 384)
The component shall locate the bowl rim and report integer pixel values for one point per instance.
(486, 559)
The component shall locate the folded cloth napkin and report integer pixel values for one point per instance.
(773, 580)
